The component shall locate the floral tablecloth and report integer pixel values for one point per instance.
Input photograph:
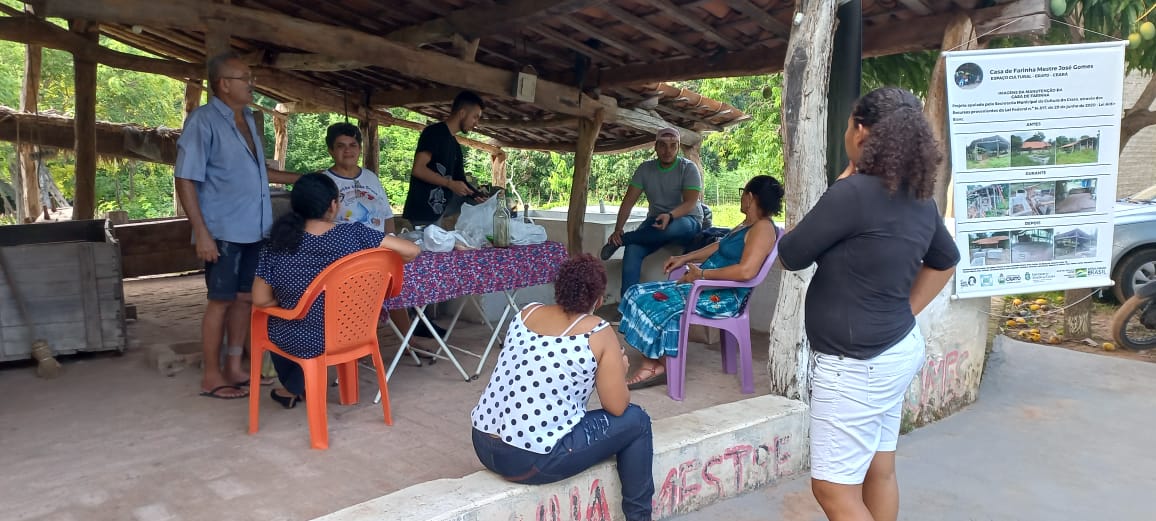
(438, 277)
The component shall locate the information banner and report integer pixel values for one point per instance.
(1034, 136)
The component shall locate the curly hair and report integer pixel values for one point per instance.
(768, 193)
(581, 281)
(900, 147)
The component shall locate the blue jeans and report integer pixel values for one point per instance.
(647, 239)
(289, 373)
(597, 437)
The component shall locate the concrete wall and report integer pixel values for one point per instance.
(956, 332)
(1138, 160)
(700, 458)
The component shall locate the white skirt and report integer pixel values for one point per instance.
(856, 407)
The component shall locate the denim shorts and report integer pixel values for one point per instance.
(856, 407)
(234, 270)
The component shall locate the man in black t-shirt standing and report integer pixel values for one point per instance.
(439, 173)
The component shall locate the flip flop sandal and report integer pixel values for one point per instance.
(215, 393)
(655, 379)
(287, 402)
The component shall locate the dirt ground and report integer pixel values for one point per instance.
(1049, 321)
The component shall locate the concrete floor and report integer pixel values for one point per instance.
(1056, 435)
(113, 439)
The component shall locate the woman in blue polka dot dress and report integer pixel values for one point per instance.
(531, 425)
(301, 245)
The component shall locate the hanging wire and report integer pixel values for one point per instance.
(1018, 18)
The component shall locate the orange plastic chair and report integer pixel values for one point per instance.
(355, 288)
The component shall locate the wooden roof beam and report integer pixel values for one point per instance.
(631, 49)
(649, 29)
(338, 42)
(484, 20)
(761, 17)
(30, 30)
(615, 147)
(570, 43)
(296, 61)
(709, 32)
(917, 34)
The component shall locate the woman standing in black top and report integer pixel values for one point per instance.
(883, 254)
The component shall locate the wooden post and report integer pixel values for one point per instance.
(281, 140)
(805, 83)
(370, 145)
(216, 42)
(193, 93)
(84, 198)
(29, 102)
(587, 136)
(498, 169)
(960, 35)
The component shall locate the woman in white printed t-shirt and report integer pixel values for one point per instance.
(531, 425)
(360, 196)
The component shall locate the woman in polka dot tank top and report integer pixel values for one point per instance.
(301, 245)
(531, 425)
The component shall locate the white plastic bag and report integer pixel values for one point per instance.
(477, 220)
(437, 240)
(523, 233)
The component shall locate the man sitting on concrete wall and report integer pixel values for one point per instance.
(672, 185)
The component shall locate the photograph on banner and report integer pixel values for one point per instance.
(1033, 135)
(1063, 147)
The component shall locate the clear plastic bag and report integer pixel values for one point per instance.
(522, 233)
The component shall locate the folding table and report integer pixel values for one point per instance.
(439, 277)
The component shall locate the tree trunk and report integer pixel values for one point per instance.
(587, 136)
(281, 142)
(693, 152)
(193, 94)
(498, 169)
(84, 198)
(1078, 317)
(960, 35)
(804, 104)
(29, 175)
(1140, 115)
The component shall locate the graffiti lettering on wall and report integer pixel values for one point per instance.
(942, 379)
(734, 470)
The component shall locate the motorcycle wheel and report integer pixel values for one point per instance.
(1127, 329)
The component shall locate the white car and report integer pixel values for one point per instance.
(1134, 243)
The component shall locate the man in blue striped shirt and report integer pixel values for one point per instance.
(223, 184)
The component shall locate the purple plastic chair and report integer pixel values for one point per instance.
(736, 331)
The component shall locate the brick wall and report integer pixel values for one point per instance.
(1138, 160)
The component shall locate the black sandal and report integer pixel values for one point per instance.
(656, 378)
(287, 402)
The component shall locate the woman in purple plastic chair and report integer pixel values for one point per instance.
(652, 311)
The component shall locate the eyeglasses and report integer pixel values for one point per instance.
(251, 80)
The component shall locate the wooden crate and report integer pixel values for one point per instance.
(70, 276)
